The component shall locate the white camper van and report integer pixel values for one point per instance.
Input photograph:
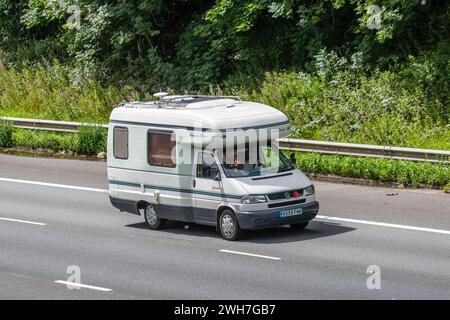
(206, 159)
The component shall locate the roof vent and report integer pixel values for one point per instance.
(160, 95)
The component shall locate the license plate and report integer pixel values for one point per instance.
(290, 213)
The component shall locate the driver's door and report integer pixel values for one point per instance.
(207, 187)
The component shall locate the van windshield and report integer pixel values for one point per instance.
(256, 160)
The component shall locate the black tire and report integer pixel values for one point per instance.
(229, 226)
(151, 218)
(300, 226)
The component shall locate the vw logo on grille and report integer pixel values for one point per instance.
(287, 195)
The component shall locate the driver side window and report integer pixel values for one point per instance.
(206, 166)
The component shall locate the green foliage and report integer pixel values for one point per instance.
(6, 134)
(340, 102)
(130, 42)
(447, 188)
(88, 141)
(44, 140)
(192, 44)
(48, 92)
(91, 140)
(409, 173)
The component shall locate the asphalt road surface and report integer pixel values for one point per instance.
(55, 217)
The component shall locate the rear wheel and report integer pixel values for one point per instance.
(228, 226)
(299, 226)
(152, 219)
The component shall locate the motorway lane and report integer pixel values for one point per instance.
(416, 207)
(116, 251)
(63, 171)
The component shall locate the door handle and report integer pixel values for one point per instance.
(194, 183)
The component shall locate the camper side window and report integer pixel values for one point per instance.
(206, 166)
(120, 148)
(161, 149)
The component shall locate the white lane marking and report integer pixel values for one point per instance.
(53, 185)
(79, 285)
(250, 254)
(23, 221)
(382, 224)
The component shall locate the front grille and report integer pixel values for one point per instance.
(282, 195)
(286, 203)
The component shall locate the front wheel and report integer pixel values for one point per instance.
(151, 218)
(228, 226)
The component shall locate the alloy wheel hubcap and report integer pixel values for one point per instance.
(150, 214)
(227, 225)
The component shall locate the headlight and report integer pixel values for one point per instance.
(309, 191)
(253, 199)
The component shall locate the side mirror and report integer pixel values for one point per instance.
(293, 158)
(218, 177)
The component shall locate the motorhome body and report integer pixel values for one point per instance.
(207, 160)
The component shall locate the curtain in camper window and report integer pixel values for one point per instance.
(161, 149)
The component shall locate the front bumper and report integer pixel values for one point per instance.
(271, 218)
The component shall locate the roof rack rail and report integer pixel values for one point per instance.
(172, 101)
(214, 96)
(169, 99)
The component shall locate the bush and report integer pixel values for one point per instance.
(88, 141)
(350, 106)
(91, 140)
(447, 188)
(44, 139)
(48, 92)
(6, 134)
(409, 173)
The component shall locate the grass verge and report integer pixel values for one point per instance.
(409, 173)
(88, 141)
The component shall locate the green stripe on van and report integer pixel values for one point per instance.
(191, 191)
